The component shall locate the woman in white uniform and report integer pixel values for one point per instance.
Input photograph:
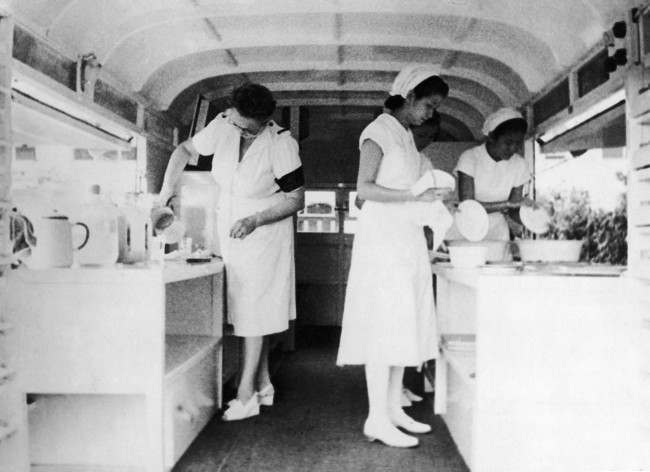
(494, 173)
(423, 135)
(259, 173)
(389, 320)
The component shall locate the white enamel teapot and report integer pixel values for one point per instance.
(50, 243)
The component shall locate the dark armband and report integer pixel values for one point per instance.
(292, 180)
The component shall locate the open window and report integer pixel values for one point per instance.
(60, 150)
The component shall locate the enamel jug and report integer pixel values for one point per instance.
(54, 247)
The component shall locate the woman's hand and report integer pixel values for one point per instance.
(433, 194)
(243, 227)
(529, 202)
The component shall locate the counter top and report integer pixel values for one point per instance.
(470, 277)
(167, 272)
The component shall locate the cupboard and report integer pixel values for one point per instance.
(125, 362)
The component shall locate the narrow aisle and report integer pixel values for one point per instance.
(315, 425)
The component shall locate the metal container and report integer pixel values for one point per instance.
(496, 250)
(547, 250)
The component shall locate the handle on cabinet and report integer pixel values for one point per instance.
(7, 430)
(5, 326)
(183, 414)
(5, 373)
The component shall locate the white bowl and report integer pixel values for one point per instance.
(497, 251)
(467, 257)
(547, 250)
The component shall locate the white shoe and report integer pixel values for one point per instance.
(388, 434)
(412, 397)
(266, 395)
(239, 411)
(404, 421)
(404, 400)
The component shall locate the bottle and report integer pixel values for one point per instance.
(199, 195)
(101, 217)
(133, 230)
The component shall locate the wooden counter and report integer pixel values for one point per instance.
(551, 381)
(124, 362)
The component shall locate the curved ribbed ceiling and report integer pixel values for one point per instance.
(492, 52)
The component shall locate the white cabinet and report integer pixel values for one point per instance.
(13, 434)
(124, 364)
(551, 381)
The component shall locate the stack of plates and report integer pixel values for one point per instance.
(459, 342)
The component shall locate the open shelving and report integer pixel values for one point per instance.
(184, 351)
(151, 363)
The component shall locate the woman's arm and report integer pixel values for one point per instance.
(466, 192)
(515, 200)
(367, 189)
(177, 162)
(294, 202)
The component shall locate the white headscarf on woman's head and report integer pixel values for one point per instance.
(500, 116)
(410, 77)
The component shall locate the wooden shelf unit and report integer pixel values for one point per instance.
(124, 363)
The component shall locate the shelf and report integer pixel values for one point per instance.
(176, 271)
(170, 271)
(184, 351)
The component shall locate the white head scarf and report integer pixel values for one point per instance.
(409, 78)
(500, 116)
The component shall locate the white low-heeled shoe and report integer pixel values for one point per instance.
(266, 395)
(239, 411)
(404, 421)
(412, 397)
(388, 434)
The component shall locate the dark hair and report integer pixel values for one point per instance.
(433, 85)
(253, 101)
(515, 125)
(424, 134)
(433, 121)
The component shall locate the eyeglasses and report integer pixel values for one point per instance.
(246, 132)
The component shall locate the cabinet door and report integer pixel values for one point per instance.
(323, 249)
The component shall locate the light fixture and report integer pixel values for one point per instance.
(594, 110)
(35, 91)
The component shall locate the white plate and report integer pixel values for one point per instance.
(472, 220)
(536, 220)
(442, 179)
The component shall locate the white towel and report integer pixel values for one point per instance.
(434, 215)
(411, 76)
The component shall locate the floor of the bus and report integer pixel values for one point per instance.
(316, 424)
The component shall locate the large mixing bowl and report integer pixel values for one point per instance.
(467, 257)
(546, 250)
(496, 251)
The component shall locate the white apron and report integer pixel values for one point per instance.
(389, 314)
(260, 275)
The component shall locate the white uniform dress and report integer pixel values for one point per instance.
(493, 182)
(389, 315)
(260, 274)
